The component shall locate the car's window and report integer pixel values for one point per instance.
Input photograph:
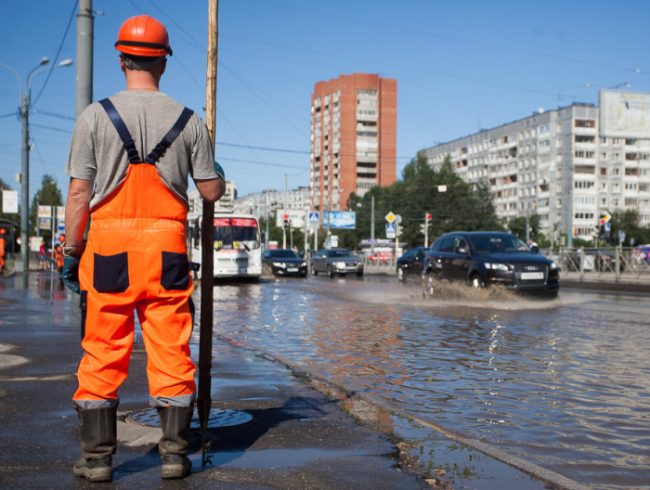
(338, 253)
(460, 243)
(447, 244)
(497, 243)
(409, 253)
(282, 254)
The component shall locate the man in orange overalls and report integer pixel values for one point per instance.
(129, 162)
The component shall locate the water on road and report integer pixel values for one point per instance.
(564, 384)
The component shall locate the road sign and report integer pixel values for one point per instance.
(390, 217)
(9, 201)
(398, 219)
(605, 217)
(313, 216)
(391, 230)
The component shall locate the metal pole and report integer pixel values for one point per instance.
(372, 225)
(52, 264)
(24, 186)
(85, 39)
(426, 230)
(204, 400)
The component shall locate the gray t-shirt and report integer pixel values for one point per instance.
(97, 153)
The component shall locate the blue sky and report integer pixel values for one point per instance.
(460, 66)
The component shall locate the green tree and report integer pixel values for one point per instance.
(48, 195)
(456, 206)
(628, 222)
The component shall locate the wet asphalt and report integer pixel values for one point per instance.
(298, 438)
(303, 433)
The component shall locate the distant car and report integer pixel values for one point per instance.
(284, 262)
(411, 263)
(336, 261)
(482, 258)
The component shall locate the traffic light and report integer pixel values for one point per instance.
(423, 228)
(287, 222)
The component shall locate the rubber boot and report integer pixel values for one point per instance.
(175, 425)
(98, 435)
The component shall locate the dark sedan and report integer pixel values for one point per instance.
(336, 261)
(482, 258)
(284, 262)
(410, 263)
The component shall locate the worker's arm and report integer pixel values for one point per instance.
(211, 190)
(76, 215)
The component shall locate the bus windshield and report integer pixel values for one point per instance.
(235, 233)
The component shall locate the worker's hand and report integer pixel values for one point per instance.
(70, 273)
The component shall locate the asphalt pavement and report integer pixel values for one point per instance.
(295, 438)
(274, 426)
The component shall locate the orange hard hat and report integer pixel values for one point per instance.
(143, 35)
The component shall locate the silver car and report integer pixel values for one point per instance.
(336, 261)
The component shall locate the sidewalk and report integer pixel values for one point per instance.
(298, 438)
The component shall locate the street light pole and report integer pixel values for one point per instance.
(24, 183)
(25, 103)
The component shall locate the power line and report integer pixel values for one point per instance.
(58, 53)
(8, 114)
(54, 114)
(256, 162)
(51, 128)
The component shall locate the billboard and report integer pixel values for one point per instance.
(296, 216)
(9, 201)
(624, 114)
(341, 220)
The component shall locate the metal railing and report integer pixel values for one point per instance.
(603, 262)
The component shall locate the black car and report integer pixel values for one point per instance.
(410, 263)
(284, 262)
(336, 261)
(483, 258)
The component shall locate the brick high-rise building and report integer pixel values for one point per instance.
(353, 138)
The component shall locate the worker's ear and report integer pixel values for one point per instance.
(163, 66)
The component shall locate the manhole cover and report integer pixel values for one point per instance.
(218, 418)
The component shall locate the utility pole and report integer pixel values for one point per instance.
(372, 224)
(24, 185)
(204, 399)
(85, 40)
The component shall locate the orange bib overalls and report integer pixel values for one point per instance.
(136, 260)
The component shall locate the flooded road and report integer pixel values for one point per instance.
(564, 384)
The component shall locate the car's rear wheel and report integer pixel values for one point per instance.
(313, 270)
(360, 273)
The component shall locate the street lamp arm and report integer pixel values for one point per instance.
(7, 67)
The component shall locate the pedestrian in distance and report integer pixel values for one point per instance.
(42, 256)
(2, 250)
(130, 158)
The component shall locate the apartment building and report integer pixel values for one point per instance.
(223, 205)
(566, 165)
(353, 138)
(267, 202)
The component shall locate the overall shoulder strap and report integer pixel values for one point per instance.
(122, 130)
(169, 138)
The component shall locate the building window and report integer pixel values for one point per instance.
(585, 123)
